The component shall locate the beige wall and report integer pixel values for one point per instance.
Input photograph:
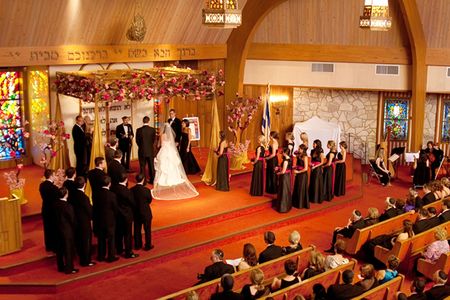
(437, 81)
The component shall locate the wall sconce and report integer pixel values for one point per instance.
(278, 101)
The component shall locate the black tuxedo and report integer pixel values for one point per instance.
(115, 171)
(107, 214)
(445, 216)
(65, 224)
(145, 139)
(216, 270)
(176, 126)
(95, 177)
(417, 297)
(80, 149)
(438, 292)
(388, 213)
(428, 198)
(348, 231)
(125, 139)
(227, 295)
(109, 154)
(343, 291)
(124, 219)
(49, 194)
(271, 252)
(142, 216)
(70, 186)
(83, 233)
(424, 225)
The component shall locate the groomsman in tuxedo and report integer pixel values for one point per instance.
(80, 146)
(145, 139)
(142, 213)
(65, 224)
(110, 149)
(115, 168)
(124, 225)
(95, 177)
(175, 123)
(83, 214)
(124, 132)
(108, 211)
(69, 183)
(49, 194)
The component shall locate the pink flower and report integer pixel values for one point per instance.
(53, 153)
(12, 153)
(19, 166)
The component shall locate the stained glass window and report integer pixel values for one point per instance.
(445, 137)
(11, 138)
(396, 112)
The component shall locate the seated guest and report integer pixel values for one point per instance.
(445, 186)
(336, 260)
(227, 283)
(256, 289)
(400, 206)
(417, 288)
(319, 292)
(372, 216)
(249, 258)
(354, 222)
(345, 290)
(438, 189)
(380, 168)
(391, 271)
(433, 218)
(438, 247)
(391, 211)
(294, 241)
(69, 183)
(369, 281)
(291, 278)
(217, 269)
(440, 290)
(444, 216)
(422, 224)
(429, 196)
(272, 251)
(413, 201)
(316, 265)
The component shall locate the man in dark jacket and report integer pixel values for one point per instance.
(83, 214)
(115, 168)
(143, 213)
(345, 290)
(227, 283)
(217, 269)
(49, 194)
(444, 216)
(80, 146)
(124, 225)
(440, 290)
(95, 177)
(423, 222)
(145, 139)
(124, 132)
(354, 222)
(69, 183)
(272, 251)
(110, 149)
(391, 211)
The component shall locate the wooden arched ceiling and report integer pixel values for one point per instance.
(327, 22)
(103, 22)
(436, 22)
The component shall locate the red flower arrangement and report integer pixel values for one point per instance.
(51, 141)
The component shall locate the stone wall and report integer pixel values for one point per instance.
(430, 119)
(355, 111)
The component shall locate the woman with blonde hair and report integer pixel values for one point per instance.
(316, 265)
(328, 172)
(304, 138)
(381, 169)
(290, 142)
(294, 243)
(256, 289)
(438, 247)
(257, 185)
(373, 216)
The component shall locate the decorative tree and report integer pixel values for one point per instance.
(51, 141)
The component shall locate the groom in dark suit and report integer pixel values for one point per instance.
(124, 132)
(175, 123)
(145, 139)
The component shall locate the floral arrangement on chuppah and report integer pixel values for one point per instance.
(240, 113)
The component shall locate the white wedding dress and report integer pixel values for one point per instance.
(171, 182)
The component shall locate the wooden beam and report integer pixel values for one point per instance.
(418, 43)
(438, 57)
(329, 53)
(90, 54)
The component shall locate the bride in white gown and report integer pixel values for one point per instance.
(171, 182)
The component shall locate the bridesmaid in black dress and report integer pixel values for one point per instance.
(187, 157)
(300, 197)
(339, 177)
(272, 163)
(290, 143)
(316, 178)
(284, 198)
(328, 172)
(257, 186)
(223, 183)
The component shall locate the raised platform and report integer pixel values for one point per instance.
(180, 228)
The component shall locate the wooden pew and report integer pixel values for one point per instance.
(409, 247)
(386, 291)
(271, 269)
(428, 268)
(305, 287)
(390, 226)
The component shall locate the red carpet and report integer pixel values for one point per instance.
(182, 252)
